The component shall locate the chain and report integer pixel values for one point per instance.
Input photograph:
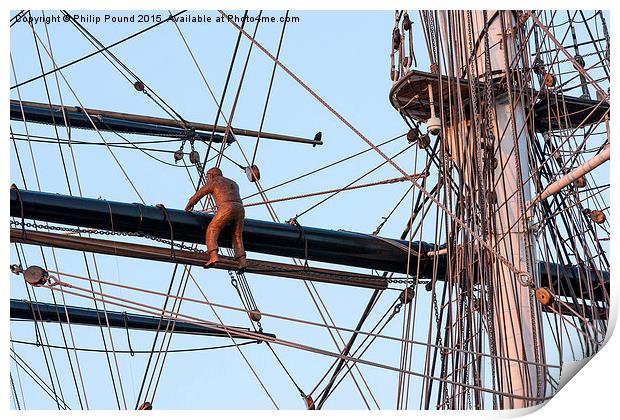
(487, 80)
(19, 224)
(487, 150)
(444, 353)
(406, 281)
(248, 301)
(431, 36)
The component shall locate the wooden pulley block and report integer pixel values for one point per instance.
(309, 402)
(406, 296)
(491, 197)
(544, 296)
(36, 276)
(580, 182)
(194, 157)
(255, 315)
(413, 135)
(253, 173)
(146, 406)
(406, 22)
(549, 80)
(598, 217)
(424, 141)
(396, 39)
(538, 66)
(579, 60)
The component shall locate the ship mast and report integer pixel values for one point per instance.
(483, 105)
(516, 333)
(503, 133)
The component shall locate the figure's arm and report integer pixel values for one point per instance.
(206, 189)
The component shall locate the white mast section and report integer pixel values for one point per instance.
(515, 319)
(587, 167)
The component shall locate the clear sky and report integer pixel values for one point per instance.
(344, 57)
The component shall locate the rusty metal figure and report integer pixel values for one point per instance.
(230, 209)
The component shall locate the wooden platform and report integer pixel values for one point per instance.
(409, 96)
(568, 112)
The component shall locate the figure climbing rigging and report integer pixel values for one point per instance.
(225, 192)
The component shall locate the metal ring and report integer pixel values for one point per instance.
(528, 282)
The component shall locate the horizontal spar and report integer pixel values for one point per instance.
(79, 118)
(153, 253)
(281, 239)
(255, 267)
(48, 312)
(136, 124)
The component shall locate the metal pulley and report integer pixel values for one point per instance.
(580, 182)
(406, 296)
(139, 86)
(35, 275)
(178, 155)
(253, 173)
(146, 406)
(194, 157)
(544, 296)
(255, 315)
(597, 217)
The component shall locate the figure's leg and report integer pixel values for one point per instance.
(237, 240)
(213, 233)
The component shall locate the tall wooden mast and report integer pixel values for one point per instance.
(516, 332)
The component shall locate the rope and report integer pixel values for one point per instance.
(167, 218)
(336, 190)
(57, 68)
(273, 73)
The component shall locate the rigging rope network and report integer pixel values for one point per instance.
(499, 106)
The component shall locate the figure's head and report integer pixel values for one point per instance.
(213, 173)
